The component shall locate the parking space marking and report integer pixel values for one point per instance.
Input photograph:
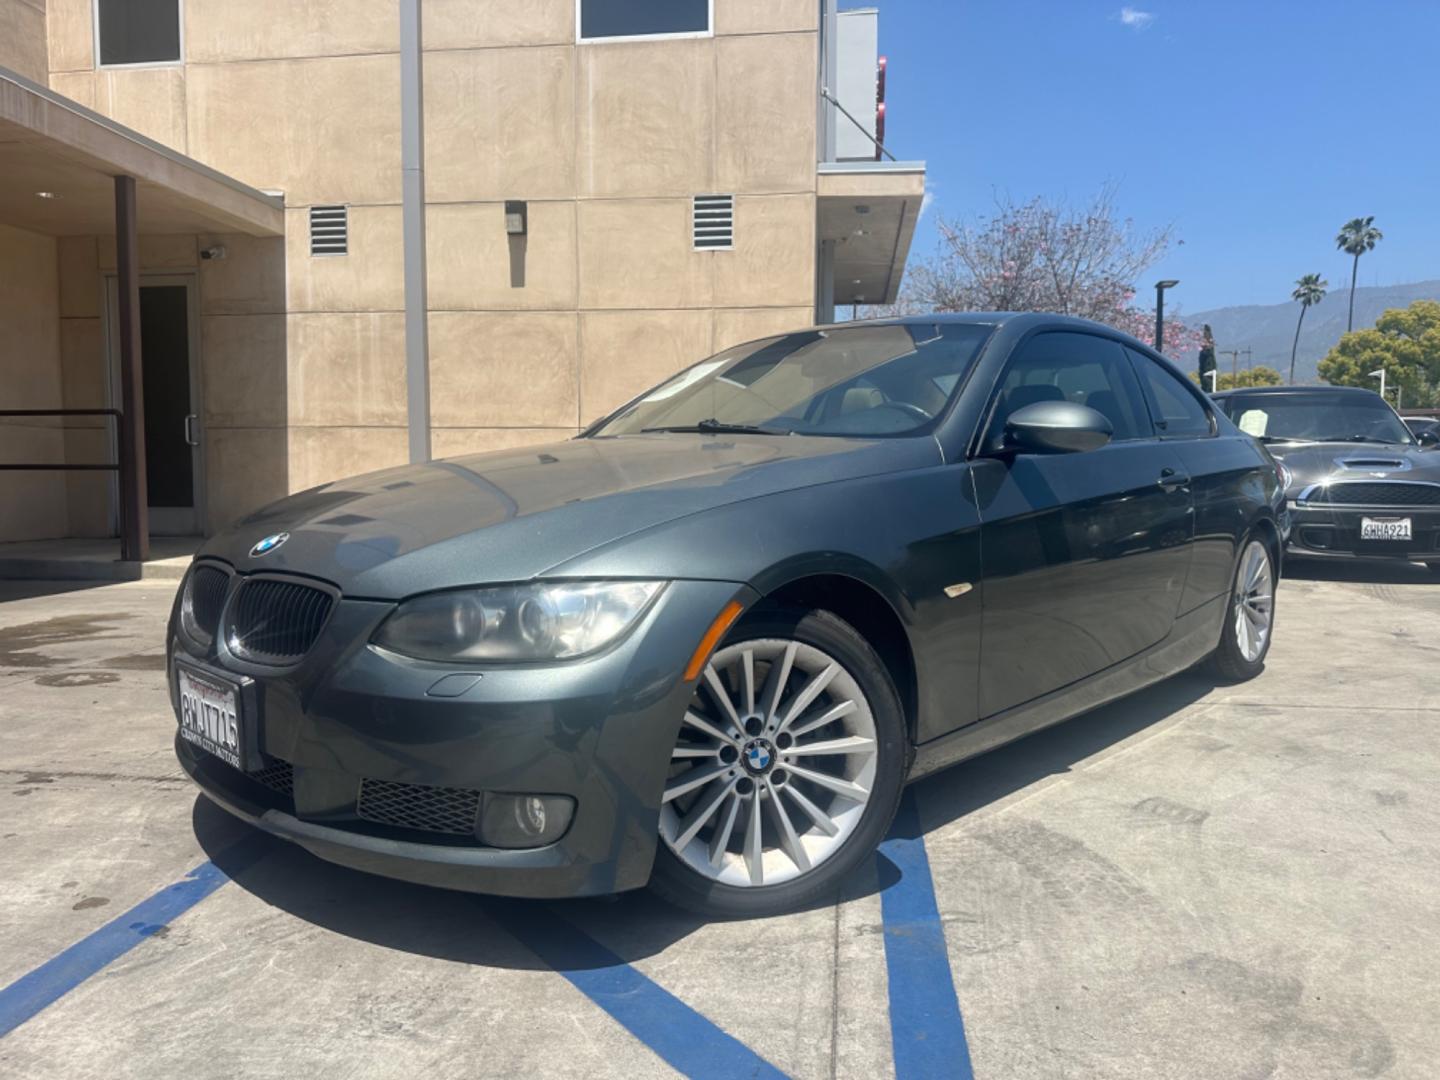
(927, 1033)
(684, 1039)
(52, 980)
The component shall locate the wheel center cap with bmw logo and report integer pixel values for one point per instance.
(269, 544)
(758, 756)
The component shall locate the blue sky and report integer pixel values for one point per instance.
(1255, 128)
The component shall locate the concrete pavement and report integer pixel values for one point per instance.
(1200, 881)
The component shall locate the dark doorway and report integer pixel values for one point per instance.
(171, 391)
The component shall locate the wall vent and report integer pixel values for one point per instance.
(713, 222)
(329, 230)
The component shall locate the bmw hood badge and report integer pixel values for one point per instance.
(269, 544)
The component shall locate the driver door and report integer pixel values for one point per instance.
(1085, 554)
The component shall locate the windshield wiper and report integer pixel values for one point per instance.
(718, 427)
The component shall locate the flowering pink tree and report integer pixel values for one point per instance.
(1045, 256)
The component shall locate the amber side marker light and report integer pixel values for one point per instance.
(722, 623)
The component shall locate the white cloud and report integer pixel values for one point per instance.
(1135, 19)
(927, 200)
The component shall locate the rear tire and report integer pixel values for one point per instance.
(1250, 615)
(814, 824)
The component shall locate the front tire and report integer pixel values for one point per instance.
(787, 769)
(1250, 619)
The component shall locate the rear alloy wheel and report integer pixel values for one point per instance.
(786, 770)
(1246, 637)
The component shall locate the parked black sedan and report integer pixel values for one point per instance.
(1361, 484)
(706, 643)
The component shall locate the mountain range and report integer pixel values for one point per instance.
(1268, 329)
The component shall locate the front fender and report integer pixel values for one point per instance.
(907, 535)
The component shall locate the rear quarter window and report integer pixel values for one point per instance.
(1177, 409)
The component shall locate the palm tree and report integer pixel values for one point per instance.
(1356, 237)
(1308, 290)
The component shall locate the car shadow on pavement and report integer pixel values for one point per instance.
(481, 930)
(947, 796)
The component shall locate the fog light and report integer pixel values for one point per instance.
(524, 821)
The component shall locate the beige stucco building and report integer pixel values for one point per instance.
(265, 138)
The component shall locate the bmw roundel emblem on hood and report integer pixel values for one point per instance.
(269, 544)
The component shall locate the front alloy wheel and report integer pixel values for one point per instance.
(784, 762)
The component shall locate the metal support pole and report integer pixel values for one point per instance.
(825, 283)
(829, 68)
(134, 519)
(412, 165)
(1159, 318)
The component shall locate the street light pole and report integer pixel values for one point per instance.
(1160, 287)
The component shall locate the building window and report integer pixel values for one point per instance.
(137, 32)
(602, 19)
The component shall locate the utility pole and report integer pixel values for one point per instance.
(1248, 363)
(1234, 355)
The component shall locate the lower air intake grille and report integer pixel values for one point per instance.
(275, 622)
(414, 806)
(1376, 493)
(278, 776)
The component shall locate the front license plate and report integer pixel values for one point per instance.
(1385, 528)
(210, 715)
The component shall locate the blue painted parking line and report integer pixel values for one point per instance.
(926, 1031)
(55, 978)
(685, 1040)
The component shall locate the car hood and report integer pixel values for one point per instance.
(512, 515)
(1310, 463)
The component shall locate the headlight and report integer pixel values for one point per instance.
(558, 621)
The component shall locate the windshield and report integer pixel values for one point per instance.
(858, 381)
(1316, 417)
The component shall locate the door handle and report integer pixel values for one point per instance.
(1170, 480)
(190, 438)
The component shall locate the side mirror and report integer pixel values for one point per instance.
(1056, 427)
(1428, 440)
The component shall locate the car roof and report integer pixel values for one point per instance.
(1280, 391)
(1018, 319)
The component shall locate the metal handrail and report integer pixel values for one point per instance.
(50, 466)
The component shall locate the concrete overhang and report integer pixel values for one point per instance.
(869, 209)
(50, 144)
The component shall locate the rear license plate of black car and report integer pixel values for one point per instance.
(210, 715)
(1385, 528)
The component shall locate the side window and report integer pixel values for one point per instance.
(137, 32)
(1177, 409)
(1064, 366)
(600, 19)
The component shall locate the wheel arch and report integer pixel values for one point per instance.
(1266, 527)
(874, 616)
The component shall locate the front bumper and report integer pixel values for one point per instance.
(1335, 531)
(599, 731)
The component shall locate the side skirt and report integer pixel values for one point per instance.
(1193, 637)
